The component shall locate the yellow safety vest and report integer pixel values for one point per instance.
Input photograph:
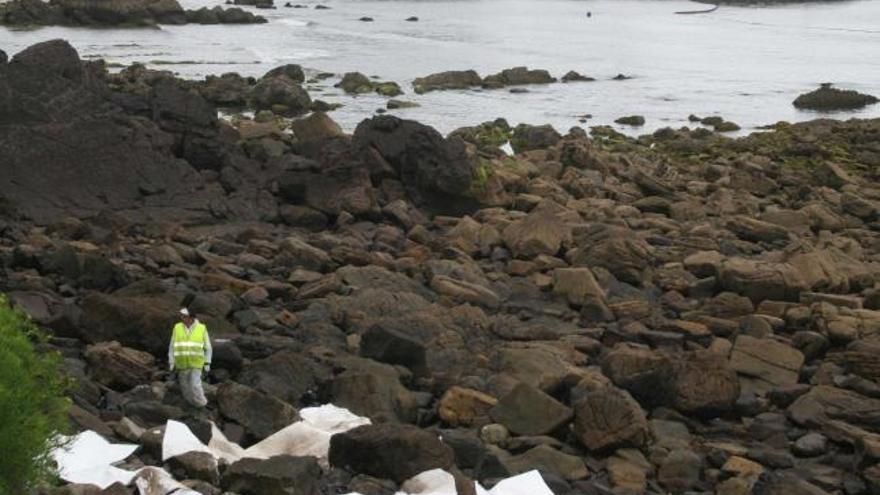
(189, 350)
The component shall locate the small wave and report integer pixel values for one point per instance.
(294, 22)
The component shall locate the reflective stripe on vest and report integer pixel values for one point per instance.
(189, 350)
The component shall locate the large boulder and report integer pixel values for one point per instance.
(119, 367)
(261, 415)
(30, 13)
(456, 79)
(281, 475)
(94, 13)
(280, 94)
(122, 12)
(607, 418)
(49, 104)
(141, 321)
(287, 375)
(828, 98)
(437, 173)
(390, 451)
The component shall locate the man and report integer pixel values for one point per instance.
(189, 353)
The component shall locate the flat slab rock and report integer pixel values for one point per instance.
(529, 411)
(766, 363)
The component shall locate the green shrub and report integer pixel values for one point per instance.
(33, 407)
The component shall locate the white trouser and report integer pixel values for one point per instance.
(191, 386)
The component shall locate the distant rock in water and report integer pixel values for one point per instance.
(412, 19)
(397, 104)
(830, 98)
(633, 120)
(518, 76)
(453, 79)
(573, 76)
(255, 3)
(92, 13)
(366, 19)
(356, 83)
(117, 13)
(292, 71)
(219, 15)
(622, 77)
(322, 7)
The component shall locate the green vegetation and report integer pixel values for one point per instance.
(33, 407)
(490, 134)
(482, 172)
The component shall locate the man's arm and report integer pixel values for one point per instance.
(209, 352)
(171, 352)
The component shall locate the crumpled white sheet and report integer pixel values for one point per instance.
(529, 483)
(89, 458)
(440, 482)
(309, 437)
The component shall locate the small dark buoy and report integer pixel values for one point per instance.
(412, 19)
(589, 14)
(366, 19)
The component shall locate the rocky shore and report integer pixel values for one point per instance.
(681, 312)
(116, 13)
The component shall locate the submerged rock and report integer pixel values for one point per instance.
(572, 76)
(518, 76)
(447, 80)
(829, 98)
(398, 104)
(633, 120)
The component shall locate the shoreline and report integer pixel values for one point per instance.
(680, 311)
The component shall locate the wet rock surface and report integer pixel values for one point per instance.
(829, 98)
(116, 13)
(680, 312)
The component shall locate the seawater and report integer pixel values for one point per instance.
(746, 64)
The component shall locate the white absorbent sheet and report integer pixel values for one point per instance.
(89, 459)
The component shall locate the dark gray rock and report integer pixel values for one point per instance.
(391, 451)
(529, 411)
(261, 415)
(282, 475)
